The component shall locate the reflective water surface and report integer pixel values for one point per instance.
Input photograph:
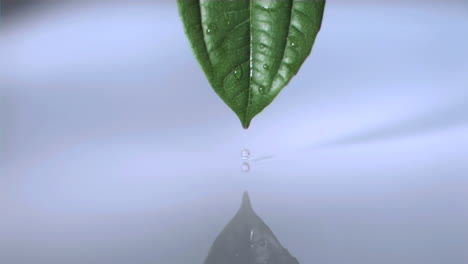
(247, 239)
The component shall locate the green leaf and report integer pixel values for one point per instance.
(250, 49)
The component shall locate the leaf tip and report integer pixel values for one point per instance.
(246, 123)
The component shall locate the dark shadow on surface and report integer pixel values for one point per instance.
(246, 239)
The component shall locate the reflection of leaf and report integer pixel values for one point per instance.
(248, 240)
(250, 49)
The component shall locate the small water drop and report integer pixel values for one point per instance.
(211, 28)
(245, 168)
(262, 90)
(265, 66)
(262, 46)
(245, 154)
(238, 72)
(293, 42)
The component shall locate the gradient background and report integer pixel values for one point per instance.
(114, 149)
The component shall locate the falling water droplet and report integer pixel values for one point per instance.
(245, 154)
(238, 72)
(245, 167)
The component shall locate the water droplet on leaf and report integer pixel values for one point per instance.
(212, 28)
(238, 72)
(265, 66)
(293, 42)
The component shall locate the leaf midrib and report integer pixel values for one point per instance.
(275, 76)
(246, 114)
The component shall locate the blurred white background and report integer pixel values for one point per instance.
(114, 149)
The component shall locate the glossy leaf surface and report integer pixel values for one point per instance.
(250, 49)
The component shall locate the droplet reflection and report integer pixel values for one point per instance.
(245, 168)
